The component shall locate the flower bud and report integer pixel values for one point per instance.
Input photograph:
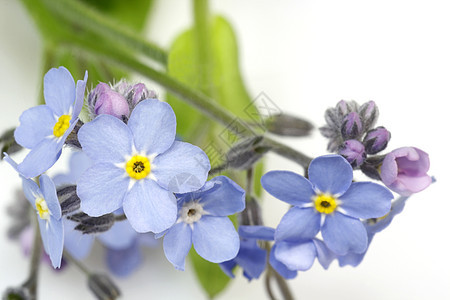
(343, 108)
(103, 287)
(104, 100)
(140, 92)
(353, 151)
(351, 127)
(376, 140)
(371, 166)
(404, 170)
(246, 153)
(369, 114)
(286, 125)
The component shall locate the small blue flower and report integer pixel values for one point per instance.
(202, 221)
(44, 128)
(46, 203)
(328, 202)
(250, 257)
(138, 166)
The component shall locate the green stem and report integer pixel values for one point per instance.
(76, 262)
(87, 18)
(32, 281)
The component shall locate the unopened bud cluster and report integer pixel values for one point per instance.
(351, 133)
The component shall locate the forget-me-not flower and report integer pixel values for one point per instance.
(138, 166)
(203, 221)
(328, 202)
(44, 128)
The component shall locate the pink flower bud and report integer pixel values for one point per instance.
(107, 101)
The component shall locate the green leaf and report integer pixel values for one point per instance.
(210, 275)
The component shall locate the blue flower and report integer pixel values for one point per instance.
(44, 128)
(46, 203)
(138, 166)
(250, 257)
(328, 202)
(202, 221)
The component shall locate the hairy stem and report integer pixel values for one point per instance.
(32, 281)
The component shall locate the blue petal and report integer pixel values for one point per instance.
(75, 242)
(36, 124)
(330, 174)
(49, 192)
(227, 199)
(228, 266)
(106, 139)
(324, 255)
(296, 256)
(251, 258)
(41, 158)
(177, 243)
(81, 86)
(44, 233)
(102, 189)
(366, 200)
(59, 90)
(397, 207)
(288, 187)
(154, 126)
(280, 267)
(53, 238)
(353, 259)
(181, 169)
(215, 239)
(120, 236)
(344, 234)
(149, 207)
(79, 162)
(31, 191)
(123, 262)
(298, 224)
(256, 232)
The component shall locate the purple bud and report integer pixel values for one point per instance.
(369, 114)
(404, 170)
(139, 92)
(376, 140)
(353, 151)
(351, 127)
(106, 101)
(343, 107)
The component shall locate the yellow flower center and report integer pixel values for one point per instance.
(61, 126)
(42, 208)
(138, 167)
(325, 203)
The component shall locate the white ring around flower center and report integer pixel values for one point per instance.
(191, 212)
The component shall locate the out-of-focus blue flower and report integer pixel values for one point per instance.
(202, 221)
(328, 202)
(44, 128)
(45, 201)
(250, 257)
(138, 166)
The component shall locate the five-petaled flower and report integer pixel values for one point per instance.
(138, 166)
(328, 202)
(44, 128)
(202, 221)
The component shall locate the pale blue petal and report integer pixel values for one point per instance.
(55, 241)
(75, 242)
(280, 267)
(397, 207)
(298, 224)
(154, 126)
(49, 192)
(366, 200)
(59, 90)
(344, 234)
(296, 256)
(251, 258)
(31, 191)
(120, 236)
(148, 240)
(324, 255)
(256, 232)
(36, 124)
(177, 243)
(79, 162)
(227, 199)
(330, 174)
(288, 187)
(228, 266)
(215, 239)
(81, 86)
(44, 233)
(102, 189)
(123, 262)
(354, 259)
(106, 139)
(40, 158)
(149, 207)
(181, 169)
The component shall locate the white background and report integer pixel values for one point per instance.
(306, 56)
